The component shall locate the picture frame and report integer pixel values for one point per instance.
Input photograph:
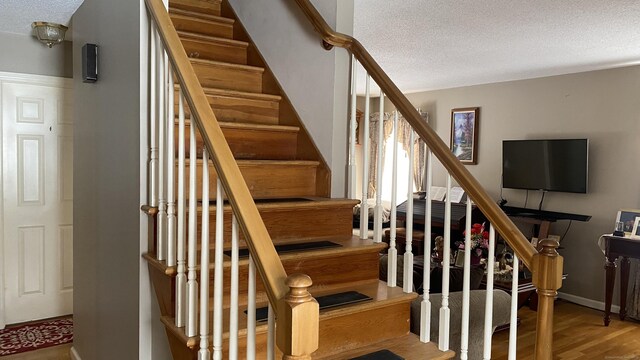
(628, 217)
(459, 258)
(464, 134)
(635, 233)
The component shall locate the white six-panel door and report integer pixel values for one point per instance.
(37, 176)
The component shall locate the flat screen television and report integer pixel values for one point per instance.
(550, 165)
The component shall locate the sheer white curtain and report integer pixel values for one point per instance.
(404, 133)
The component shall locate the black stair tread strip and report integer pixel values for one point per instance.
(325, 302)
(379, 355)
(286, 248)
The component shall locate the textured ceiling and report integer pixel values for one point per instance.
(16, 16)
(436, 44)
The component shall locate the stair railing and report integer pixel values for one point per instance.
(172, 77)
(546, 266)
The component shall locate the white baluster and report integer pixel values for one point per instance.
(251, 312)
(181, 276)
(377, 232)
(203, 353)
(162, 199)
(513, 322)
(425, 305)
(171, 185)
(488, 309)
(351, 193)
(464, 333)
(445, 312)
(153, 149)
(408, 254)
(364, 209)
(393, 251)
(192, 283)
(233, 303)
(218, 270)
(271, 338)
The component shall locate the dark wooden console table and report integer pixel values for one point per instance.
(615, 247)
(541, 218)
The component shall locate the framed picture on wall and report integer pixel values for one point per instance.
(459, 258)
(628, 217)
(635, 233)
(464, 134)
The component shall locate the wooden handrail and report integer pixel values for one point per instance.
(258, 240)
(459, 172)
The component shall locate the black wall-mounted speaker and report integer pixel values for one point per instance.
(89, 63)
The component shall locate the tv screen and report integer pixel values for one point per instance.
(550, 165)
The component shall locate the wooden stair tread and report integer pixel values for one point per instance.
(310, 202)
(241, 94)
(250, 126)
(227, 65)
(238, 94)
(378, 291)
(409, 347)
(347, 246)
(241, 163)
(353, 245)
(208, 6)
(201, 16)
(211, 39)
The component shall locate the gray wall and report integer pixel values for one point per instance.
(110, 317)
(306, 71)
(599, 105)
(25, 54)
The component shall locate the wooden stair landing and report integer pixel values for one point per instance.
(388, 305)
(408, 347)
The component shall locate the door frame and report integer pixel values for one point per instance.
(28, 79)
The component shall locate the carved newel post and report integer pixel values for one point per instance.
(298, 320)
(547, 278)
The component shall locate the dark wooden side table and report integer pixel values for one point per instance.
(615, 247)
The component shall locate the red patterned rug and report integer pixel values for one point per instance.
(33, 336)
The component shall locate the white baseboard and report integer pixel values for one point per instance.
(598, 305)
(74, 354)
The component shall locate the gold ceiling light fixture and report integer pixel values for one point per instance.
(49, 33)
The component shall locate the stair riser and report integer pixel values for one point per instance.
(287, 225)
(211, 7)
(347, 332)
(199, 49)
(204, 27)
(222, 77)
(267, 181)
(324, 270)
(237, 109)
(251, 144)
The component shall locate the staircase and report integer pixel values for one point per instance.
(289, 182)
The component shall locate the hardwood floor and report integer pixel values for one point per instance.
(60, 352)
(579, 331)
(579, 334)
